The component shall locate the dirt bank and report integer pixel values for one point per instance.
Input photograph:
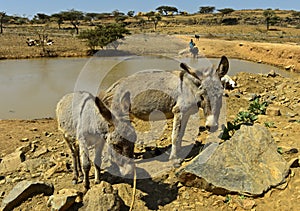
(283, 55)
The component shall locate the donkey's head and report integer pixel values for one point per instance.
(121, 136)
(210, 91)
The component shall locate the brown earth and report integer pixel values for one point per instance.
(164, 192)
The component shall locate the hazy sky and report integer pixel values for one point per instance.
(29, 8)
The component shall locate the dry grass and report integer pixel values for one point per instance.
(13, 41)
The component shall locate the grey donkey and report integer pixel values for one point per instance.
(87, 123)
(177, 94)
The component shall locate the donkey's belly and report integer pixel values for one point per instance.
(152, 105)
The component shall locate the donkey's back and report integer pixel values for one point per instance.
(151, 91)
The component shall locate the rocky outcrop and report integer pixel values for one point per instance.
(248, 163)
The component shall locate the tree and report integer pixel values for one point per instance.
(58, 18)
(270, 17)
(130, 13)
(119, 16)
(103, 35)
(73, 16)
(206, 10)
(226, 11)
(91, 16)
(41, 18)
(166, 10)
(2, 16)
(155, 19)
(150, 14)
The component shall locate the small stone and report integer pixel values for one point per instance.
(48, 134)
(272, 73)
(11, 162)
(273, 111)
(40, 152)
(63, 200)
(24, 140)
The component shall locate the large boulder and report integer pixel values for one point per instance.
(248, 163)
(24, 190)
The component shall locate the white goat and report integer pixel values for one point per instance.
(85, 118)
(177, 94)
(227, 82)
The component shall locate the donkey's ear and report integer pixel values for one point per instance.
(189, 70)
(104, 111)
(223, 67)
(125, 102)
(185, 67)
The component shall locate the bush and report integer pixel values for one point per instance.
(103, 35)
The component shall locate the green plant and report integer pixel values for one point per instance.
(270, 124)
(246, 118)
(256, 107)
(280, 150)
(227, 199)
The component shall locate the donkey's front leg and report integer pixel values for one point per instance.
(176, 139)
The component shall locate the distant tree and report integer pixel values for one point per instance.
(150, 14)
(103, 35)
(206, 10)
(166, 10)
(103, 15)
(58, 18)
(226, 11)
(183, 13)
(74, 17)
(130, 13)
(2, 17)
(270, 17)
(155, 19)
(119, 16)
(41, 18)
(43, 38)
(19, 20)
(90, 16)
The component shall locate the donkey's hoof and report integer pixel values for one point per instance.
(177, 162)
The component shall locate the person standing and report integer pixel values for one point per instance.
(192, 44)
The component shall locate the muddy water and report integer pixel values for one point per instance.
(31, 88)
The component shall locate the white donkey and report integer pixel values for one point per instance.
(85, 118)
(177, 94)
